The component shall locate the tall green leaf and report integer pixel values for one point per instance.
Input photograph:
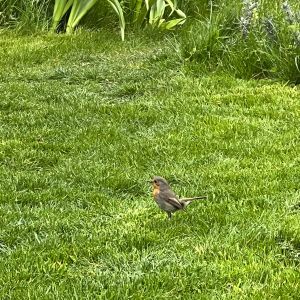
(60, 8)
(137, 9)
(172, 23)
(119, 10)
(141, 18)
(78, 11)
(157, 12)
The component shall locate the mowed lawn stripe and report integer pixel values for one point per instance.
(85, 125)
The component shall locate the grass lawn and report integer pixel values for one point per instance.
(86, 120)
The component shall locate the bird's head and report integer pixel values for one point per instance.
(159, 183)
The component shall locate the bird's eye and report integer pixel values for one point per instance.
(155, 181)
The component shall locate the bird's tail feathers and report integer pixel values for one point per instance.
(193, 198)
(187, 201)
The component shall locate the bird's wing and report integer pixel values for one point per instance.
(174, 202)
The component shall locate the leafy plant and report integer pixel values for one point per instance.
(156, 13)
(118, 9)
(79, 9)
(60, 8)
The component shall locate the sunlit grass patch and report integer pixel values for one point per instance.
(81, 137)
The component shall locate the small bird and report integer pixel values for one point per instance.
(166, 199)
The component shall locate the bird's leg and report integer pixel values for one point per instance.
(169, 215)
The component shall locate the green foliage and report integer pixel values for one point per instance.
(60, 9)
(249, 42)
(156, 13)
(87, 119)
(268, 51)
(141, 12)
(249, 39)
(119, 11)
(78, 10)
(162, 14)
(25, 15)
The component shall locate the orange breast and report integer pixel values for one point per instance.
(155, 191)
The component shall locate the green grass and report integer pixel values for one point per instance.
(86, 120)
(268, 47)
(219, 36)
(26, 16)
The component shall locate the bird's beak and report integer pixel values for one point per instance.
(150, 181)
